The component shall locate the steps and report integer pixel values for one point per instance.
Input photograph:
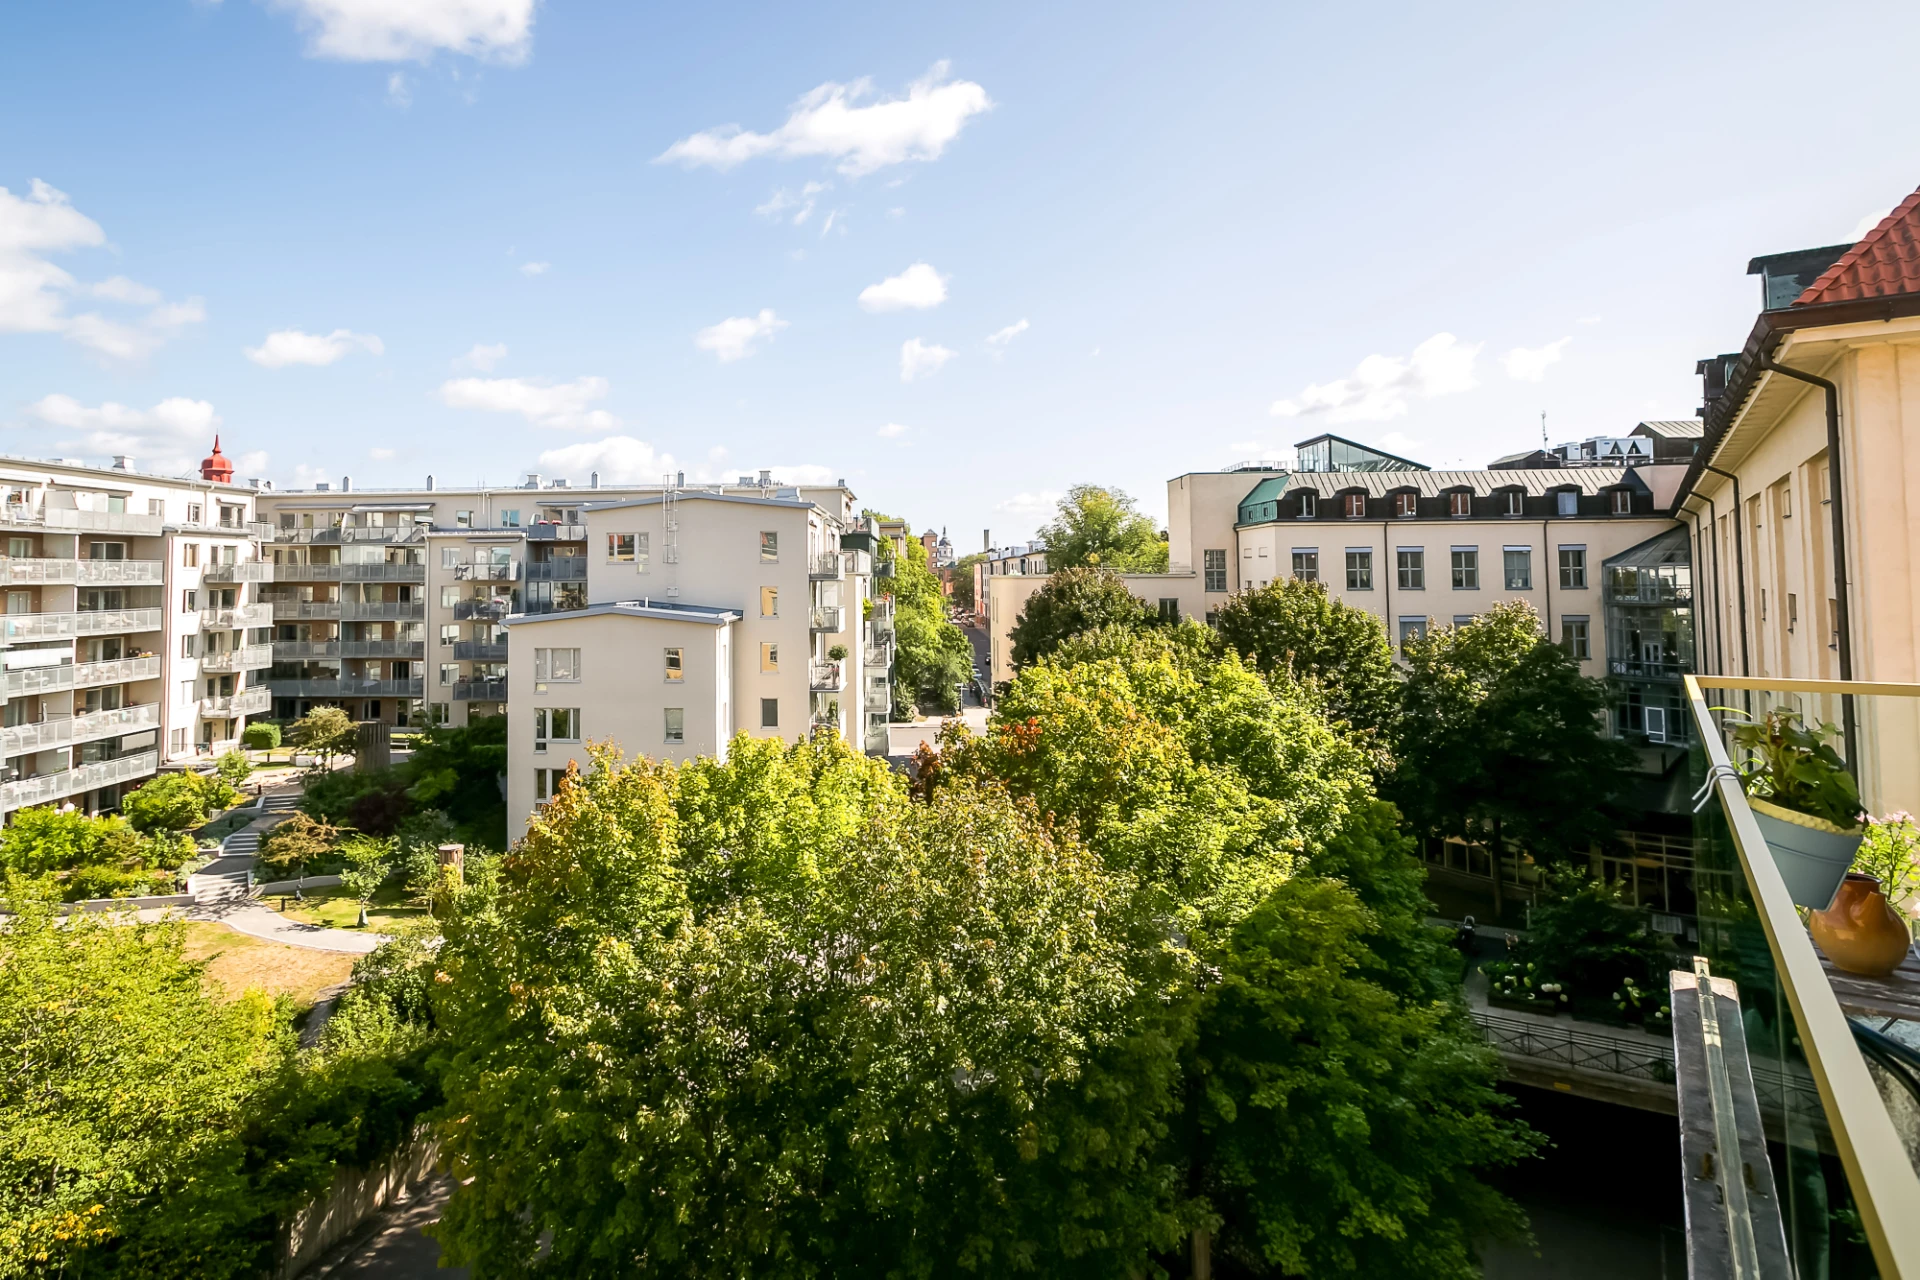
(281, 802)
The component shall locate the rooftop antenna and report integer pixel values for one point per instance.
(1543, 428)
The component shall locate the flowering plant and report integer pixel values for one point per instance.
(1792, 764)
(1890, 853)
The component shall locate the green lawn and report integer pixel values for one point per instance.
(332, 907)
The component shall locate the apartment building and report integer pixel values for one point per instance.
(389, 602)
(1801, 505)
(706, 615)
(131, 638)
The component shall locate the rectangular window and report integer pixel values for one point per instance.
(1623, 502)
(1786, 504)
(1462, 619)
(620, 547)
(676, 724)
(643, 543)
(769, 602)
(1514, 502)
(463, 519)
(562, 665)
(1412, 566)
(676, 666)
(439, 712)
(1466, 568)
(1573, 638)
(1567, 502)
(769, 546)
(1308, 503)
(1355, 505)
(1833, 623)
(769, 713)
(187, 643)
(449, 597)
(769, 657)
(540, 784)
(1405, 504)
(1169, 609)
(1306, 564)
(1460, 504)
(1519, 568)
(1412, 629)
(190, 554)
(1793, 611)
(1359, 570)
(193, 513)
(1573, 568)
(1215, 565)
(510, 519)
(555, 724)
(189, 600)
(449, 557)
(449, 673)
(449, 634)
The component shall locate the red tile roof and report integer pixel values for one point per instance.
(1887, 262)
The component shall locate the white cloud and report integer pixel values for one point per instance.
(997, 342)
(1031, 505)
(562, 405)
(483, 356)
(733, 338)
(891, 431)
(1380, 386)
(414, 30)
(917, 359)
(1399, 442)
(1869, 222)
(1529, 364)
(918, 287)
(290, 346)
(34, 292)
(803, 201)
(827, 122)
(534, 268)
(251, 463)
(380, 455)
(399, 93)
(618, 459)
(169, 437)
(896, 212)
(1588, 320)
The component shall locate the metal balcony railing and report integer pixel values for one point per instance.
(48, 787)
(246, 658)
(26, 571)
(558, 569)
(101, 521)
(244, 702)
(300, 650)
(249, 571)
(134, 572)
(50, 679)
(822, 568)
(346, 687)
(556, 532)
(884, 569)
(87, 675)
(63, 731)
(348, 610)
(877, 657)
(825, 677)
(492, 610)
(336, 535)
(350, 572)
(86, 622)
(238, 617)
(480, 691)
(480, 650)
(857, 563)
(1749, 927)
(825, 617)
(508, 572)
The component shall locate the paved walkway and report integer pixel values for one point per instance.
(248, 916)
(392, 1246)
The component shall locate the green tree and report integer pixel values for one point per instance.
(326, 732)
(295, 843)
(233, 768)
(932, 657)
(1073, 601)
(1101, 528)
(1299, 628)
(177, 802)
(458, 770)
(369, 863)
(46, 839)
(963, 581)
(261, 735)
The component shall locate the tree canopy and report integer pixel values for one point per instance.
(177, 801)
(1096, 526)
(326, 732)
(932, 657)
(1299, 628)
(1072, 601)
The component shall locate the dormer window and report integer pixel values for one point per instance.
(1513, 502)
(1567, 502)
(1623, 502)
(1405, 504)
(1307, 503)
(1460, 503)
(1355, 505)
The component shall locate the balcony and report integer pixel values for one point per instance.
(825, 677)
(49, 679)
(558, 569)
(348, 687)
(857, 563)
(246, 658)
(482, 610)
(480, 690)
(67, 730)
(89, 622)
(1640, 669)
(249, 571)
(825, 617)
(823, 568)
(301, 650)
(99, 521)
(877, 657)
(380, 571)
(26, 571)
(337, 535)
(882, 618)
(556, 532)
(508, 572)
(884, 569)
(1855, 1092)
(245, 702)
(117, 572)
(480, 650)
(87, 675)
(879, 693)
(238, 617)
(49, 787)
(349, 610)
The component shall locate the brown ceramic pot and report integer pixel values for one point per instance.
(1860, 932)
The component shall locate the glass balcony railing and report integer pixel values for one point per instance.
(301, 650)
(1833, 1053)
(249, 571)
(80, 675)
(246, 658)
(825, 677)
(350, 572)
(47, 787)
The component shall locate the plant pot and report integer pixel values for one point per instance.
(1861, 932)
(1812, 854)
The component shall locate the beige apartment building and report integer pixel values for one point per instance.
(132, 637)
(706, 615)
(1802, 505)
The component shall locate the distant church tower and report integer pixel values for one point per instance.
(216, 466)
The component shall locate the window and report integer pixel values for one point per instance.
(449, 673)
(1567, 502)
(1405, 504)
(769, 713)
(177, 741)
(769, 657)
(1793, 612)
(1513, 502)
(1786, 504)
(1306, 564)
(676, 724)
(449, 634)
(190, 554)
(1573, 638)
(1214, 563)
(449, 557)
(643, 543)
(562, 665)
(769, 602)
(440, 712)
(1462, 619)
(769, 546)
(1573, 568)
(1169, 609)
(676, 667)
(193, 513)
(1833, 623)
(1466, 568)
(542, 784)
(186, 694)
(1519, 568)
(1308, 503)
(1359, 570)
(1763, 604)
(1460, 503)
(463, 519)
(1412, 565)
(1412, 629)
(1623, 502)
(555, 724)
(510, 519)
(189, 600)
(1354, 504)
(620, 547)
(187, 643)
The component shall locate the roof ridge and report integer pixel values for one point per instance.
(1869, 246)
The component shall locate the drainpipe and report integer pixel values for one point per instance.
(1841, 621)
(1550, 565)
(1387, 570)
(1739, 566)
(1719, 607)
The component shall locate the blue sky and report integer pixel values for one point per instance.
(961, 257)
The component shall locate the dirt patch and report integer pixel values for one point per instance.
(237, 962)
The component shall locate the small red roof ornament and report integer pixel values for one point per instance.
(216, 466)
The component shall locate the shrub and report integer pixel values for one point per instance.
(233, 767)
(176, 802)
(261, 735)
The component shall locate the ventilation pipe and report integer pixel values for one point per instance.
(679, 479)
(346, 484)
(766, 477)
(121, 462)
(533, 480)
(593, 481)
(429, 484)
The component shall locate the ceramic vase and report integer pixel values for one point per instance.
(1861, 932)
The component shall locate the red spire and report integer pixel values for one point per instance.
(216, 466)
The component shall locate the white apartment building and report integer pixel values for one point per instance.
(707, 614)
(132, 638)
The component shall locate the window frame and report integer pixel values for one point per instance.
(1578, 643)
(1460, 504)
(770, 657)
(1213, 566)
(675, 658)
(1464, 564)
(769, 546)
(1354, 505)
(1359, 568)
(1573, 573)
(1507, 562)
(1406, 505)
(769, 713)
(1306, 563)
(674, 725)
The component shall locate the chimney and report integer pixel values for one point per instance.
(986, 539)
(593, 481)
(746, 482)
(766, 477)
(679, 479)
(346, 484)
(429, 484)
(533, 479)
(121, 462)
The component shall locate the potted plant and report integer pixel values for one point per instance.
(1865, 931)
(838, 653)
(1805, 801)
